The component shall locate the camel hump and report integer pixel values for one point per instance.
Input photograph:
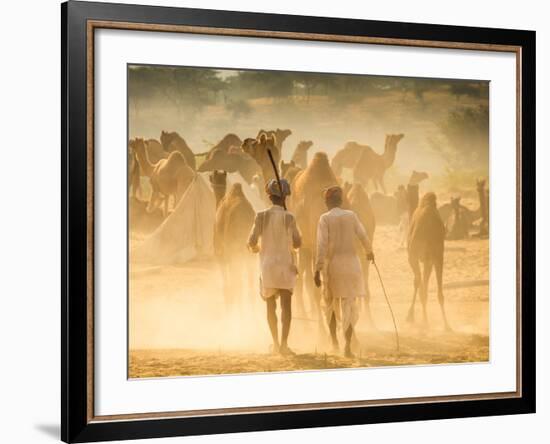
(320, 157)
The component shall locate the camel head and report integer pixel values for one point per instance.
(285, 166)
(257, 148)
(217, 161)
(249, 146)
(417, 177)
(429, 200)
(281, 135)
(391, 142)
(304, 145)
(167, 138)
(137, 144)
(455, 202)
(218, 178)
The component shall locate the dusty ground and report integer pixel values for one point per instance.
(179, 324)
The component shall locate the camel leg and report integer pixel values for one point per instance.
(428, 265)
(166, 202)
(440, 297)
(380, 181)
(152, 205)
(417, 282)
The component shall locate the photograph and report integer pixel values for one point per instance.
(284, 221)
(278, 221)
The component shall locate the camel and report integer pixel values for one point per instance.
(168, 177)
(139, 219)
(307, 203)
(417, 177)
(347, 157)
(228, 141)
(234, 219)
(218, 179)
(358, 200)
(155, 151)
(231, 162)
(278, 135)
(483, 207)
(289, 170)
(457, 225)
(300, 154)
(372, 166)
(401, 199)
(346, 188)
(134, 175)
(468, 216)
(412, 199)
(258, 150)
(407, 202)
(174, 142)
(425, 245)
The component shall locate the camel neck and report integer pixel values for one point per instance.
(389, 157)
(219, 192)
(144, 161)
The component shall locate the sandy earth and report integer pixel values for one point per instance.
(179, 324)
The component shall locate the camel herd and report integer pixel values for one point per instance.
(171, 166)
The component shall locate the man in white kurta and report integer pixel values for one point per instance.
(337, 259)
(275, 235)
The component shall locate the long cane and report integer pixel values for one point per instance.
(276, 176)
(389, 304)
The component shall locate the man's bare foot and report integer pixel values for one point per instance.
(274, 349)
(348, 353)
(286, 351)
(335, 348)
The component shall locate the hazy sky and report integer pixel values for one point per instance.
(445, 122)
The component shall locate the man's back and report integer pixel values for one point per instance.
(276, 233)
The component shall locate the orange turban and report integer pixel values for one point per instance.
(333, 192)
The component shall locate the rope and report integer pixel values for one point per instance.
(389, 304)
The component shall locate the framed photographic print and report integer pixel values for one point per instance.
(276, 221)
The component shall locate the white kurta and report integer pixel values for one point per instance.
(276, 233)
(337, 233)
(337, 258)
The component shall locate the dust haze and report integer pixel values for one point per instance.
(187, 317)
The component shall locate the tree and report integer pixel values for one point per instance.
(466, 138)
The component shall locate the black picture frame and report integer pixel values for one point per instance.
(76, 423)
